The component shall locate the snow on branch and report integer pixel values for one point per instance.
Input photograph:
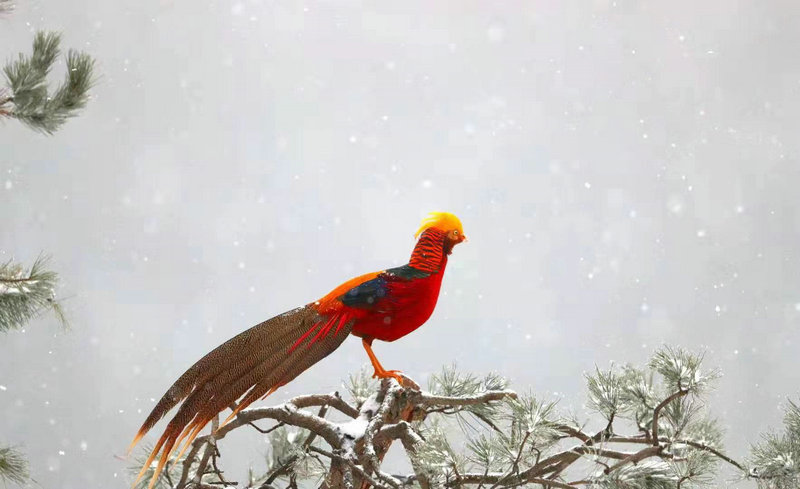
(25, 295)
(473, 432)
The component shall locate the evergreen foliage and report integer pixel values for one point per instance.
(13, 466)
(24, 296)
(166, 481)
(777, 458)
(27, 97)
(470, 431)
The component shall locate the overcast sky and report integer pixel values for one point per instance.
(627, 173)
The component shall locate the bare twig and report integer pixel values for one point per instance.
(636, 457)
(283, 469)
(431, 400)
(210, 447)
(691, 443)
(657, 412)
(352, 466)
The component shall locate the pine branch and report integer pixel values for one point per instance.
(23, 296)
(27, 99)
(352, 465)
(776, 460)
(518, 441)
(691, 443)
(356, 446)
(657, 412)
(13, 466)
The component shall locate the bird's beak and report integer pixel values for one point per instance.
(463, 239)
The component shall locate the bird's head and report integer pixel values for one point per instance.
(447, 223)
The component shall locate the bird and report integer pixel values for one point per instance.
(384, 305)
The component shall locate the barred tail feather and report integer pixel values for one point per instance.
(254, 363)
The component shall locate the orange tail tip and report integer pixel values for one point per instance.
(191, 438)
(271, 391)
(166, 454)
(136, 440)
(161, 463)
(243, 405)
(180, 439)
(232, 415)
(149, 461)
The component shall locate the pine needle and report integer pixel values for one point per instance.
(28, 99)
(25, 295)
(13, 466)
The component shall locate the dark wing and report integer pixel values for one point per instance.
(375, 294)
(367, 295)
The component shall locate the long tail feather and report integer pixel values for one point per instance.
(149, 460)
(251, 364)
(186, 432)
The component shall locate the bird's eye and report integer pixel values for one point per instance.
(455, 232)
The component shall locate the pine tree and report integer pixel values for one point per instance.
(471, 431)
(25, 295)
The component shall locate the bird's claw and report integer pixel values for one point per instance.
(396, 375)
(382, 374)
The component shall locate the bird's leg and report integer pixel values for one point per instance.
(380, 372)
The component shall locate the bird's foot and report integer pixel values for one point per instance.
(397, 375)
(383, 374)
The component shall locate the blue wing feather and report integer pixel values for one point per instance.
(366, 295)
(370, 294)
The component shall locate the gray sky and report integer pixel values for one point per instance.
(626, 173)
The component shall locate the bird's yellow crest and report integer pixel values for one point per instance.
(440, 220)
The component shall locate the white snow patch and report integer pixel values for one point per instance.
(370, 405)
(354, 429)
(5, 289)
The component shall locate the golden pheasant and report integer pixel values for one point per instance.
(384, 305)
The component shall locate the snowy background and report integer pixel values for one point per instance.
(627, 173)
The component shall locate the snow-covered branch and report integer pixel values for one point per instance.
(25, 295)
(470, 431)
